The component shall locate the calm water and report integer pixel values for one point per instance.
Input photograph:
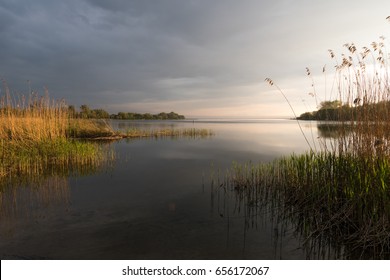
(155, 201)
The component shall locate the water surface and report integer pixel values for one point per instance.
(156, 201)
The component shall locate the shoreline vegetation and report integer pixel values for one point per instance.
(88, 113)
(39, 134)
(34, 138)
(337, 195)
(336, 111)
(43, 143)
(101, 130)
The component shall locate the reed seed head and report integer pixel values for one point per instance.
(269, 81)
(374, 45)
(331, 53)
(365, 52)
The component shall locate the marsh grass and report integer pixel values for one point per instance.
(168, 132)
(89, 129)
(334, 201)
(38, 134)
(34, 120)
(32, 181)
(338, 197)
(363, 85)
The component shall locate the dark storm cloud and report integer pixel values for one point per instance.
(120, 52)
(84, 49)
(72, 45)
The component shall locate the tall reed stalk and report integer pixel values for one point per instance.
(35, 135)
(338, 197)
(363, 88)
(32, 118)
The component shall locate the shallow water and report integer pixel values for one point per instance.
(157, 200)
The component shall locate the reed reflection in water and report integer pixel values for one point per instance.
(33, 192)
(20, 201)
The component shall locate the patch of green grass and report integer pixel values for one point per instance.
(23, 158)
(38, 135)
(342, 201)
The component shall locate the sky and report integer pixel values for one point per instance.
(199, 58)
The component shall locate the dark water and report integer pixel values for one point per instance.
(156, 201)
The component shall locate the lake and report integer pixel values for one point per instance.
(158, 199)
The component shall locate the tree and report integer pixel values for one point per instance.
(85, 111)
(100, 114)
(162, 116)
(122, 116)
(148, 116)
(330, 104)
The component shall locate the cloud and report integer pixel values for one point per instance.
(211, 54)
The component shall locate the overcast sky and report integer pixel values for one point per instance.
(194, 57)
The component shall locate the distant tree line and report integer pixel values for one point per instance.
(329, 110)
(147, 116)
(87, 113)
(336, 111)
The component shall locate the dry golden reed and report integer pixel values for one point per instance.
(36, 134)
(32, 118)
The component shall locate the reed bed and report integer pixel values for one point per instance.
(337, 196)
(342, 202)
(90, 129)
(38, 149)
(36, 120)
(35, 134)
(168, 132)
(363, 87)
(31, 182)
(23, 159)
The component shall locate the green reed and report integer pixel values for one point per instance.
(344, 200)
(337, 196)
(37, 133)
(33, 181)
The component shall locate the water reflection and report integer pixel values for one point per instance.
(257, 224)
(156, 202)
(20, 201)
(330, 130)
(326, 229)
(34, 192)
